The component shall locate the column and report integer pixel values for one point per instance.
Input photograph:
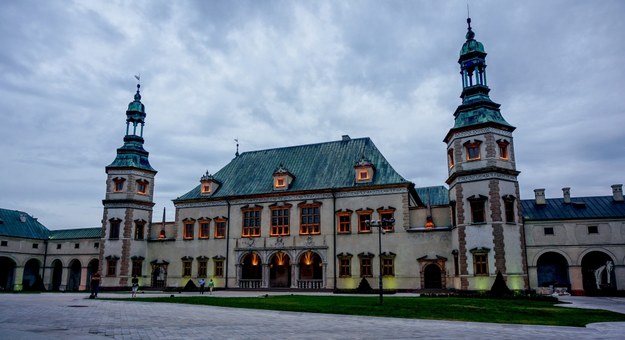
(577, 281)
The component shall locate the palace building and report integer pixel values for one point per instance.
(327, 216)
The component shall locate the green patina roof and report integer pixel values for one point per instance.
(479, 115)
(436, 195)
(579, 208)
(314, 166)
(471, 46)
(11, 225)
(65, 234)
(132, 155)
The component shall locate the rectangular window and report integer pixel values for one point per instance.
(119, 185)
(280, 222)
(139, 230)
(251, 223)
(111, 267)
(35, 245)
(593, 229)
(219, 268)
(363, 217)
(137, 268)
(477, 211)
(280, 182)
(387, 266)
(58, 246)
(345, 223)
(114, 230)
(450, 158)
(387, 220)
(365, 267)
(473, 151)
(96, 245)
(503, 149)
(480, 262)
(76, 245)
(548, 230)
(186, 268)
(509, 207)
(204, 229)
(220, 228)
(188, 230)
(142, 187)
(310, 220)
(345, 267)
(363, 175)
(6, 244)
(201, 269)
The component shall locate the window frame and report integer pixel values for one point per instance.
(187, 268)
(477, 206)
(218, 269)
(280, 223)
(592, 229)
(140, 230)
(308, 228)
(366, 265)
(251, 229)
(363, 228)
(345, 265)
(204, 229)
(114, 228)
(503, 147)
(111, 267)
(390, 214)
(388, 265)
(202, 267)
(118, 184)
(188, 229)
(142, 187)
(220, 228)
(451, 162)
(548, 231)
(137, 267)
(473, 150)
(344, 227)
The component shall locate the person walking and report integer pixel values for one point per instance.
(211, 285)
(202, 283)
(95, 284)
(135, 285)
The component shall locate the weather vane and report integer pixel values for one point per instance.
(237, 141)
(138, 77)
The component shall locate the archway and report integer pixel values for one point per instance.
(57, 275)
(552, 269)
(310, 266)
(280, 270)
(598, 274)
(432, 277)
(7, 273)
(73, 279)
(31, 280)
(251, 267)
(92, 268)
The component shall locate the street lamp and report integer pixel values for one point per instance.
(381, 225)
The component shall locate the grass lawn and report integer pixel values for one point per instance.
(518, 311)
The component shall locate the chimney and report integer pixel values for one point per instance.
(566, 192)
(617, 192)
(345, 137)
(540, 196)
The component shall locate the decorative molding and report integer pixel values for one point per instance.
(484, 176)
(130, 172)
(471, 133)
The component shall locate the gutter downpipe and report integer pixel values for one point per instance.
(45, 256)
(227, 243)
(334, 236)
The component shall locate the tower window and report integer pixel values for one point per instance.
(114, 228)
(508, 202)
(139, 230)
(473, 150)
(503, 148)
(450, 158)
(478, 211)
(480, 263)
(118, 184)
(142, 187)
(137, 264)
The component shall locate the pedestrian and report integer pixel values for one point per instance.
(202, 283)
(135, 285)
(211, 285)
(95, 284)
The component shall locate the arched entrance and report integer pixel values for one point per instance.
(31, 278)
(598, 274)
(251, 271)
(310, 271)
(57, 274)
(7, 273)
(552, 269)
(73, 279)
(92, 268)
(280, 270)
(432, 277)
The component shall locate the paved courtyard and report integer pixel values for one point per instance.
(73, 316)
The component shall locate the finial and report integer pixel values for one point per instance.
(236, 154)
(138, 95)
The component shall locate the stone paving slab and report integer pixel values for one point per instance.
(73, 316)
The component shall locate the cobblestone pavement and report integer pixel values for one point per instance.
(73, 316)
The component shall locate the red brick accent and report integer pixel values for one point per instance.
(521, 235)
(459, 159)
(125, 258)
(494, 200)
(462, 239)
(500, 251)
(406, 209)
(102, 240)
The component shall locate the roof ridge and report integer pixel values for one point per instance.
(303, 145)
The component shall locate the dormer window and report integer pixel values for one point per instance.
(118, 184)
(503, 148)
(142, 187)
(473, 150)
(208, 184)
(282, 178)
(364, 170)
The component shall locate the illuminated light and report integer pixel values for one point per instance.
(515, 282)
(390, 282)
(429, 223)
(255, 259)
(161, 236)
(482, 283)
(308, 258)
(280, 257)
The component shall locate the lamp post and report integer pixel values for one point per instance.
(381, 225)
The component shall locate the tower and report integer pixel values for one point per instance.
(128, 204)
(483, 186)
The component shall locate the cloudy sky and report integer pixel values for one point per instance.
(285, 73)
